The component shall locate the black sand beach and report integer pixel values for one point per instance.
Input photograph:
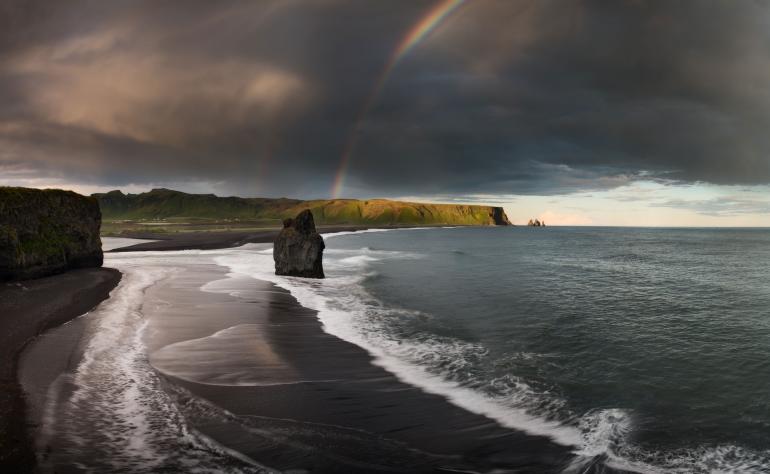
(27, 309)
(352, 416)
(195, 240)
(324, 406)
(218, 240)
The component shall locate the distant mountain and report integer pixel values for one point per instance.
(165, 203)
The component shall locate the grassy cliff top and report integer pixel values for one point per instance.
(165, 204)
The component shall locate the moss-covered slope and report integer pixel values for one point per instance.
(164, 204)
(47, 231)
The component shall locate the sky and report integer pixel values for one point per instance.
(615, 112)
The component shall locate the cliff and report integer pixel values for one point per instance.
(164, 203)
(386, 212)
(43, 232)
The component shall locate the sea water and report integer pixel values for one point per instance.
(651, 346)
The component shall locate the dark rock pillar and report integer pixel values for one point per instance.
(298, 249)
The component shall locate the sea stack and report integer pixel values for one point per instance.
(43, 232)
(298, 249)
(535, 223)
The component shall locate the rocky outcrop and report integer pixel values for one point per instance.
(298, 249)
(535, 223)
(43, 232)
(499, 217)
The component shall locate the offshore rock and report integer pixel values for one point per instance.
(43, 232)
(535, 223)
(298, 249)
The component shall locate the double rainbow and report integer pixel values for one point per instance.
(417, 33)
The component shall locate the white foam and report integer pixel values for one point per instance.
(118, 413)
(602, 430)
(708, 459)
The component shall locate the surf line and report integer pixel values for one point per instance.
(421, 30)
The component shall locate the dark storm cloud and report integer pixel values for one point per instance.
(514, 97)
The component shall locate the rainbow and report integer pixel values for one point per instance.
(417, 33)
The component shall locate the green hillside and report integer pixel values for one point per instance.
(160, 204)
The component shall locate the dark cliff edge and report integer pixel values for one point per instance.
(44, 232)
(499, 217)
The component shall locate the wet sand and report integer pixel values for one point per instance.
(324, 406)
(27, 309)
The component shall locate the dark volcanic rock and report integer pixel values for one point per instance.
(298, 249)
(43, 232)
(499, 217)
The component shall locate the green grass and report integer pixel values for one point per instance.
(166, 206)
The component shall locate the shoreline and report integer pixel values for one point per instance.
(338, 393)
(28, 309)
(312, 401)
(220, 240)
(380, 423)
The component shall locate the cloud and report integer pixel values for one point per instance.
(529, 97)
(721, 206)
(104, 82)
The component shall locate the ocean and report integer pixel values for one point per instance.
(648, 344)
(644, 348)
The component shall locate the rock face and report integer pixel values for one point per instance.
(43, 232)
(499, 217)
(298, 249)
